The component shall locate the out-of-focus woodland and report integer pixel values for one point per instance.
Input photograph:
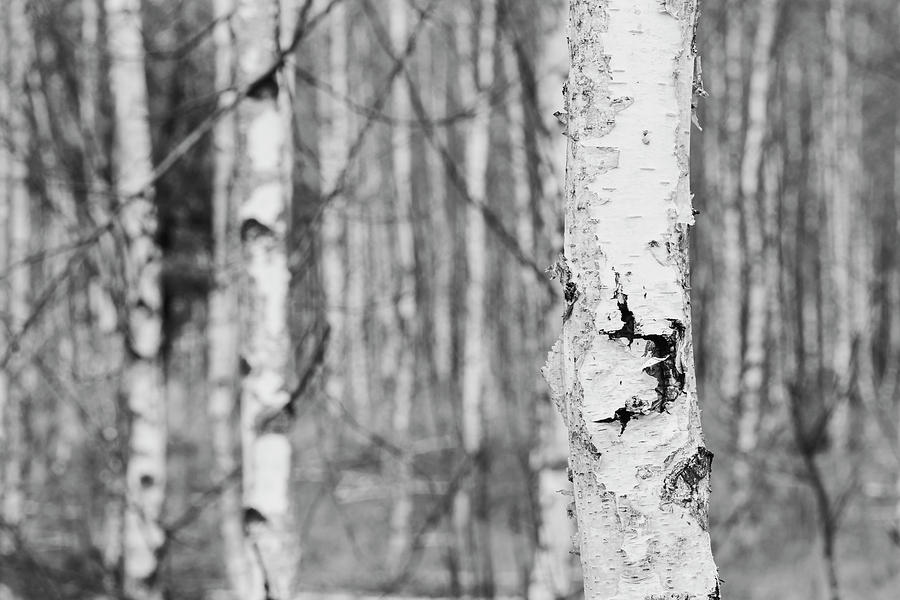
(422, 167)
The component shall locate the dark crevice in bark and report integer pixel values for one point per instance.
(560, 270)
(252, 229)
(253, 517)
(667, 370)
(682, 484)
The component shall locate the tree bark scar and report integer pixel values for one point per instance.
(252, 229)
(560, 270)
(664, 364)
(687, 484)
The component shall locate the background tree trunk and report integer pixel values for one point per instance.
(223, 320)
(404, 299)
(262, 184)
(144, 393)
(476, 45)
(15, 210)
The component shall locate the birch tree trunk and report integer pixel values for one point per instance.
(475, 44)
(405, 300)
(333, 149)
(16, 230)
(270, 536)
(894, 295)
(759, 293)
(730, 287)
(223, 325)
(623, 371)
(838, 191)
(145, 471)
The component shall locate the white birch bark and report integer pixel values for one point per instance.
(405, 308)
(270, 538)
(146, 468)
(223, 324)
(16, 220)
(623, 369)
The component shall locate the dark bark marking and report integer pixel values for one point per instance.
(252, 229)
(668, 373)
(560, 270)
(682, 484)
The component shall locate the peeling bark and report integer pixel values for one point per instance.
(623, 368)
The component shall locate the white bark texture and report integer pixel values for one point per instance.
(270, 537)
(622, 371)
(223, 328)
(146, 468)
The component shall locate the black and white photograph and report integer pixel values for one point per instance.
(439, 299)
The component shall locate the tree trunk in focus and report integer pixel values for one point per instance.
(623, 369)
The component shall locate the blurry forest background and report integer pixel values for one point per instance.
(426, 201)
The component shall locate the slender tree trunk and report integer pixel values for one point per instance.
(838, 190)
(333, 149)
(470, 502)
(264, 188)
(404, 297)
(554, 569)
(732, 259)
(895, 296)
(223, 325)
(553, 572)
(759, 293)
(143, 387)
(16, 235)
(623, 368)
